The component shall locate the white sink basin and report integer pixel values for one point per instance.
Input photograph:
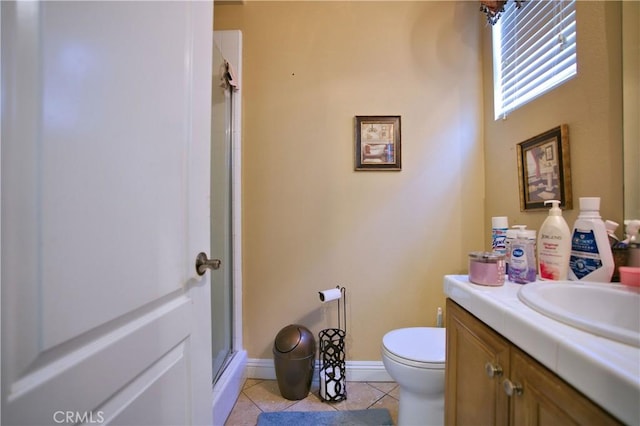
(604, 309)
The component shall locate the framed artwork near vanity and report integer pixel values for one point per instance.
(543, 170)
(377, 142)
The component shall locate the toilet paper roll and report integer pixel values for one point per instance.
(330, 377)
(328, 295)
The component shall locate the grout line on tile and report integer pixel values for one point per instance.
(254, 403)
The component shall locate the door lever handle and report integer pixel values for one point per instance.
(203, 263)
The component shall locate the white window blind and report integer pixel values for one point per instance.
(534, 50)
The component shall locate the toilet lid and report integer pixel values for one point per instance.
(417, 344)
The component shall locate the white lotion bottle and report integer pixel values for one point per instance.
(591, 256)
(554, 245)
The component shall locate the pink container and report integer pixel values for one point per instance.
(630, 275)
(486, 268)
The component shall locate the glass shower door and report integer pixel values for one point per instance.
(221, 242)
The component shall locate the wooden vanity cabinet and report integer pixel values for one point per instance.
(483, 367)
(471, 396)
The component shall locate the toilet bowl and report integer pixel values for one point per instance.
(415, 358)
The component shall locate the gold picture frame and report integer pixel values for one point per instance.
(378, 144)
(543, 170)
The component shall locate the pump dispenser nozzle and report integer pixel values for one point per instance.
(555, 209)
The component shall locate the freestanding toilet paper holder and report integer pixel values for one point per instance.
(332, 366)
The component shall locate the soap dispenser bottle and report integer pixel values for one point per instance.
(554, 245)
(511, 236)
(522, 262)
(591, 256)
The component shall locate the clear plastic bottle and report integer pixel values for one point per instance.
(591, 256)
(522, 263)
(511, 236)
(554, 245)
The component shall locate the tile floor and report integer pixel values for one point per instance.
(263, 395)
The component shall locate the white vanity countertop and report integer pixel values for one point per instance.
(606, 371)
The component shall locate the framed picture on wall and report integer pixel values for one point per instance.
(377, 142)
(543, 170)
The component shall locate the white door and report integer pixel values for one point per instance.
(105, 205)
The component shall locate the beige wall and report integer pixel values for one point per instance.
(591, 105)
(310, 222)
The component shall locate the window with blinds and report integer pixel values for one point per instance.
(534, 50)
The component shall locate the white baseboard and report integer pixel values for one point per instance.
(357, 371)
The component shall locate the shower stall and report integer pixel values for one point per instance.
(229, 358)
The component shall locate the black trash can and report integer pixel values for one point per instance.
(294, 352)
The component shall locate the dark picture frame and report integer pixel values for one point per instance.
(543, 170)
(378, 144)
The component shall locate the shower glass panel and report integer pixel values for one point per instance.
(221, 172)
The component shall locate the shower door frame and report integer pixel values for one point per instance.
(229, 384)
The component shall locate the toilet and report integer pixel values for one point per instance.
(415, 357)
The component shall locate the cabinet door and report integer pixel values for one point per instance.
(472, 397)
(545, 399)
